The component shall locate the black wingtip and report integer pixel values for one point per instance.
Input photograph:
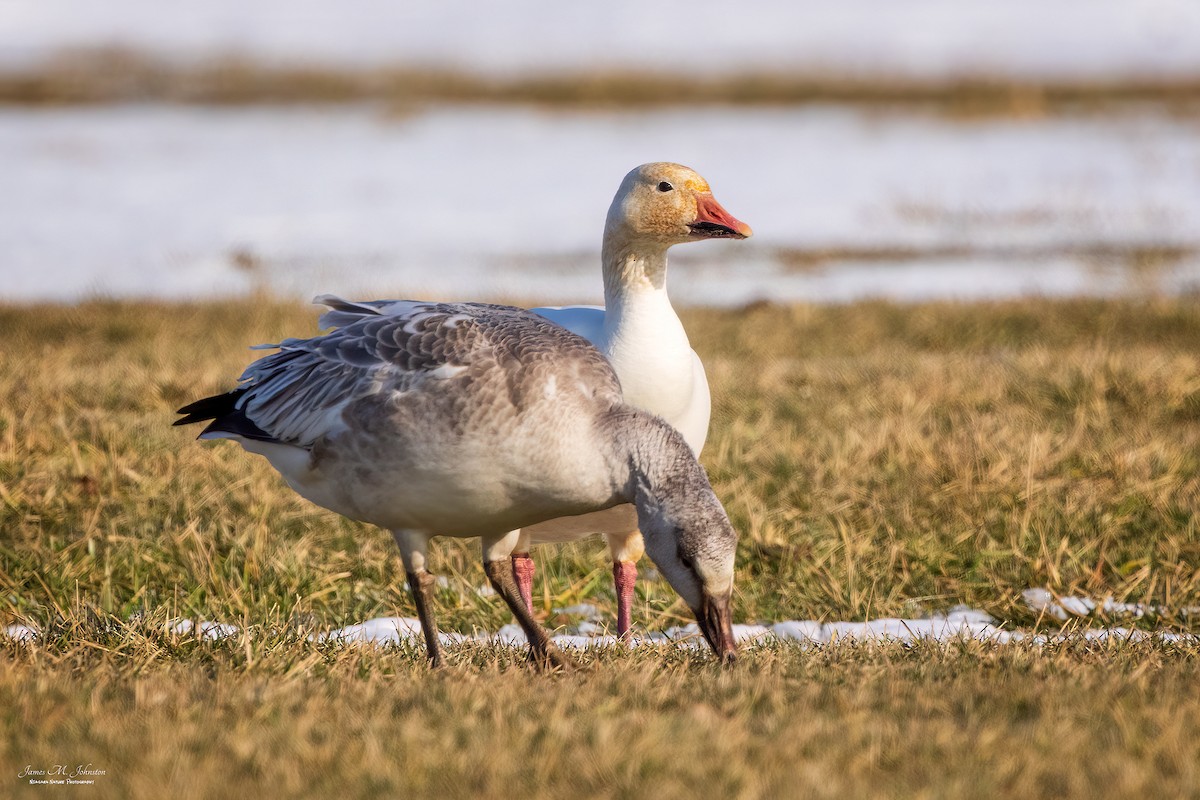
(225, 415)
(207, 408)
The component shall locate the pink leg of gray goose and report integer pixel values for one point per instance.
(523, 569)
(624, 578)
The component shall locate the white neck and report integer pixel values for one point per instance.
(636, 304)
(644, 339)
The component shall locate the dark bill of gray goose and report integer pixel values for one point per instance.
(475, 420)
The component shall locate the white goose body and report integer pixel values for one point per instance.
(641, 336)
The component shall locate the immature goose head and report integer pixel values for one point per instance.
(686, 531)
(663, 204)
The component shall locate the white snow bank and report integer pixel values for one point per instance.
(384, 630)
(191, 202)
(961, 623)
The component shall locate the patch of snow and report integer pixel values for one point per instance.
(969, 624)
(384, 630)
(969, 616)
(744, 634)
(751, 633)
(959, 623)
(20, 633)
(1123, 634)
(1079, 606)
(511, 634)
(1041, 601)
(800, 631)
(1064, 607)
(583, 642)
(1136, 610)
(207, 630)
(856, 38)
(298, 201)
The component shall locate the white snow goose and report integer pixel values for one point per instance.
(467, 420)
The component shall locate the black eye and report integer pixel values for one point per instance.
(665, 187)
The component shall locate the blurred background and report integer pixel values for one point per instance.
(880, 148)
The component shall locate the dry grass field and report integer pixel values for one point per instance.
(878, 460)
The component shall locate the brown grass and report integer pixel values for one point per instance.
(179, 719)
(107, 76)
(1137, 257)
(877, 460)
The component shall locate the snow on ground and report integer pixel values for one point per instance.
(20, 633)
(205, 630)
(588, 630)
(508, 202)
(1070, 606)
(922, 38)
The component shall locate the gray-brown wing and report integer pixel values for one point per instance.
(297, 394)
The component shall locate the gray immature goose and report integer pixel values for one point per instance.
(466, 419)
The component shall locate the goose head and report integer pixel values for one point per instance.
(664, 204)
(689, 538)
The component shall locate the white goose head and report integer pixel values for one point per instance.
(663, 204)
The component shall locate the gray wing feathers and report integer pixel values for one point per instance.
(298, 393)
(296, 397)
(346, 312)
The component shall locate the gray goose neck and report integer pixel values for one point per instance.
(651, 460)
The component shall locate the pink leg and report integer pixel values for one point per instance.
(624, 576)
(523, 569)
